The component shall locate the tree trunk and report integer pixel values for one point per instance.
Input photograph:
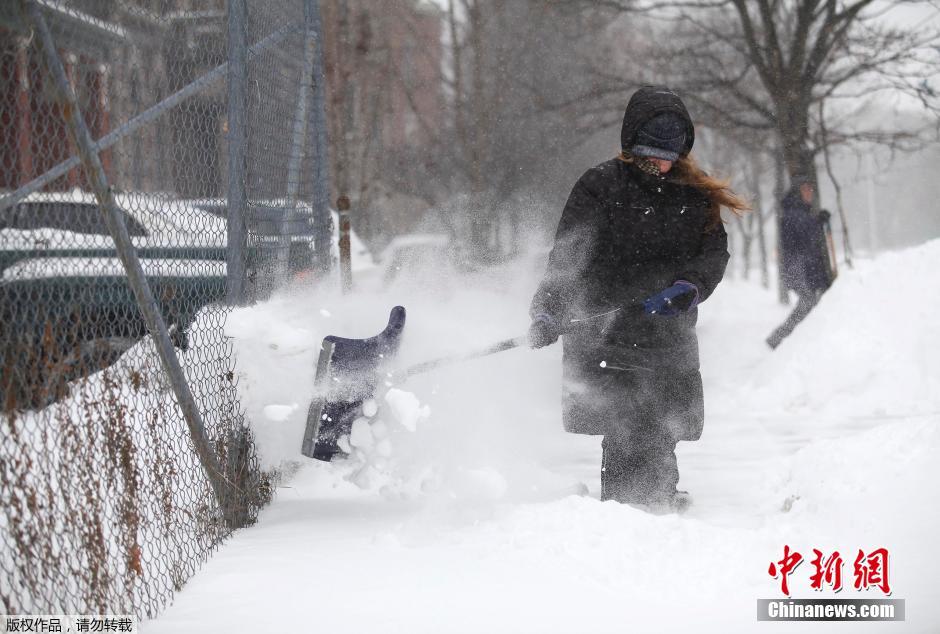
(779, 190)
(757, 168)
(747, 226)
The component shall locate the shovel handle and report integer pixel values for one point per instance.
(427, 366)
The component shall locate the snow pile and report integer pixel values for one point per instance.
(113, 454)
(886, 467)
(372, 440)
(870, 349)
(406, 408)
(276, 347)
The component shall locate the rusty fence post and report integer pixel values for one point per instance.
(345, 250)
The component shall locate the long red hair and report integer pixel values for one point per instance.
(718, 192)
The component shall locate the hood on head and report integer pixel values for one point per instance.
(646, 103)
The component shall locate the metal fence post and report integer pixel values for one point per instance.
(94, 172)
(237, 146)
(321, 185)
(298, 143)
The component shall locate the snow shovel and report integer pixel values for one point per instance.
(347, 374)
(348, 371)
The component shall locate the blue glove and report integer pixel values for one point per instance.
(543, 331)
(679, 297)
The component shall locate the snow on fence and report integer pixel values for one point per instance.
(160, 163)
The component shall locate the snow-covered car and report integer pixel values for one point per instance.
(269, 220)
(64, 297)
(65, 303)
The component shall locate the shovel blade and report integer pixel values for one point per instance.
(348, 371)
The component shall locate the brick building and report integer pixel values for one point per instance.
(382, 62)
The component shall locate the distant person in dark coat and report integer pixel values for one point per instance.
(804, 255)
(639, 246)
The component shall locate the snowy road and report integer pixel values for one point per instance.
(832, 442)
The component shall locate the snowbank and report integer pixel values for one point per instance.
(107, 481)
(871, 348)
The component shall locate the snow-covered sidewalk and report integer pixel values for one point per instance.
(478, 522)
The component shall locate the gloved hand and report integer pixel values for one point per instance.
(678, 298)
(824, 216)
(543, 331)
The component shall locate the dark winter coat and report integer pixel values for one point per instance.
(623, 236)
(804, 255)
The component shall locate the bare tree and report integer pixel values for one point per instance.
(512, 74)
(781, 67)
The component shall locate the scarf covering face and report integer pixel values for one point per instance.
(647, 166)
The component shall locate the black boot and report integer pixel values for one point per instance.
(680, 502)
(640, 469)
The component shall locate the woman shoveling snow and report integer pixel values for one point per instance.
(640, 244)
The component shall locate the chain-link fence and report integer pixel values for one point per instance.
(160, 162)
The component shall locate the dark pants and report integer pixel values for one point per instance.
(639, 467)
(808, 300)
